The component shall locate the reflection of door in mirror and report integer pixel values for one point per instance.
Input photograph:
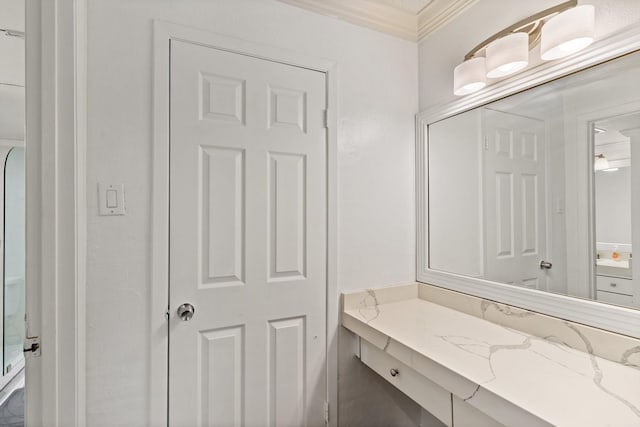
(616, 174)
(514, 202)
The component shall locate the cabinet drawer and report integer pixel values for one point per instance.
(614, 284)
(610, 297)
(465, 415)
(426, 393)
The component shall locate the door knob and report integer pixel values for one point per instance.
(186, 311)
(545, 265)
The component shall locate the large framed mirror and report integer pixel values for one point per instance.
(529, 192)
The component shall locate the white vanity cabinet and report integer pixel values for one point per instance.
(449, 409)
(435, 399)
(473, 362)
(465, 415)
(614, 290)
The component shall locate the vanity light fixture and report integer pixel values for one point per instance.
(568, 32)
(561, 30)
(601, 163)
(507, 55)
(470, 76)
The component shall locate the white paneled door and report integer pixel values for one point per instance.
(514, 185)
(248, 220)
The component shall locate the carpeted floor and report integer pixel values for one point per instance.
(12, 410)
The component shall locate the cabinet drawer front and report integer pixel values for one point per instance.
(465, 415)
(610, 297)
(427, 394)
(614, 284)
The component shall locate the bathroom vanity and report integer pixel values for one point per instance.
(527, 210)
(614, 274)
(473, 362)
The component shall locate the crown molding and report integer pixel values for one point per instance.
(388, 19)
(438, 14)
(365, 13)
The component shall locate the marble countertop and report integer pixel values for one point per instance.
(555, 384)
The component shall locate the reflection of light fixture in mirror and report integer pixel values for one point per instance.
(470, 76)
(568, 32)
(507, 55)
(599, 130)
(601, 163)
(610, 170)
(563, 29)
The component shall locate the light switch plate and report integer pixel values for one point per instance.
(111, 199)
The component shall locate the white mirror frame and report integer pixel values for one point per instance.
(609, 317)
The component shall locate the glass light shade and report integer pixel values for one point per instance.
(601, 163)
(507, 55)
(568, 32)
(470, 76)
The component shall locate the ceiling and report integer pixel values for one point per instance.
(408, 19)
(620, 123)
(612, 141)
(614, 146)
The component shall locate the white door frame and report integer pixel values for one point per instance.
(164, 32)
(56, 210)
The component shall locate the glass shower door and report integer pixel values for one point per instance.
(14, 259)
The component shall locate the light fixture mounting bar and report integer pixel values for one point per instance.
(531, 25)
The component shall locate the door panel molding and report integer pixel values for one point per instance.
(515, 211)
(164, 33)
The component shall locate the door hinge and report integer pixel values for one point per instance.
(31, 346)
(326, 412)
(326, 118)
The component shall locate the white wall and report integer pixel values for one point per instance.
(455, 195)
(14, 230)
(377, 101)
(613, 206)
(12, 50)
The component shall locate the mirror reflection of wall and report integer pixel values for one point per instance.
(513, 196)
(455, 195)
(612, 169)
(614, 214)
